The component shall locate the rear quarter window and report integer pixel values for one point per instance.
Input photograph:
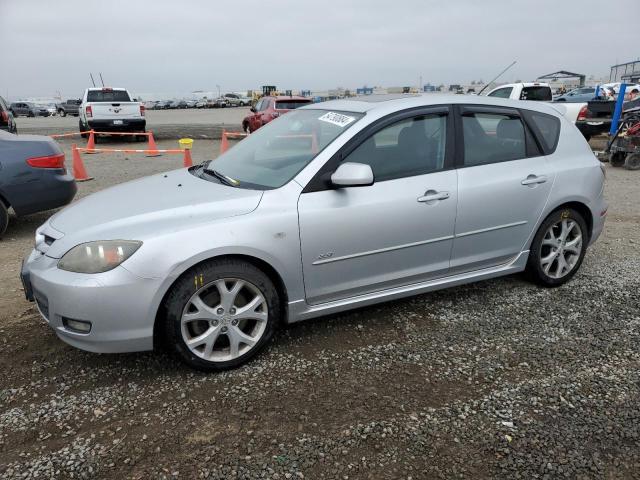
(546, 128)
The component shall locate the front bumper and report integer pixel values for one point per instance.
(118, 304)
(127, 125)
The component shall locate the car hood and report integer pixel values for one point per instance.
(148, 207)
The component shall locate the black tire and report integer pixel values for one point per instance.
(4, 218)
(534, 269)
(245, 127)
(82, 129)
(617, 159)
(205, 274)
(632, 162)
(62, 113)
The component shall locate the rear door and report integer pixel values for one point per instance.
(395, 232)
(504, 181)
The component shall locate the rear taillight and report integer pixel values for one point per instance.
(582, 114)
(88, 111)
(142, 110)
(50, 161)
(5, 117)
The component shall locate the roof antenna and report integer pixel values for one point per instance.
(91, 75)
(496, 77)
(101, 79)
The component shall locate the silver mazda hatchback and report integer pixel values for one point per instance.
(331, 207)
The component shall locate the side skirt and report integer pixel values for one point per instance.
(299, 310)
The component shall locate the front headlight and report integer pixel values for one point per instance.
(98, 257)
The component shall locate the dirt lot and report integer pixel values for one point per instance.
(496, 379)
(165, 124)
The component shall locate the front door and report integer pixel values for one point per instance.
(503, 185)
(395, 232)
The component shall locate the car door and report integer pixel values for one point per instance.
(397, 231)
(265, 113)
(504, 182)
(254, 118)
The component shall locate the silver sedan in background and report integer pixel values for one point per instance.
(331, 207)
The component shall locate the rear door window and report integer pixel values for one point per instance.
(108, 96)
(492, 138)
(501, 92)
(538, 93)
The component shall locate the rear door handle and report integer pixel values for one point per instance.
(534, 180)
(431, 196)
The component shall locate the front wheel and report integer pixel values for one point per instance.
(220, 314)
(617, 159)
(558, 248)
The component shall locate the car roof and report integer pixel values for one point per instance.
(289, 97)
(385, 104)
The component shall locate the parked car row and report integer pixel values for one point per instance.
(227, 100)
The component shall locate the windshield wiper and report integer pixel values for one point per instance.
(232, 182)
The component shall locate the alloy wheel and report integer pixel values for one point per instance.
(561, 248)
(224, 319)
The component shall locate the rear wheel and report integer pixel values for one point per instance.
(617, 159)
(4, 218)
(220, 314)
(62, 113)
(632, 162)
(558, 248)
(83, 129)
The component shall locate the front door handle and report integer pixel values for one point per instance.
(534, 180)
(432, 196)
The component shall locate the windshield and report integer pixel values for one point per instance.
(276, 152)
(107, 96)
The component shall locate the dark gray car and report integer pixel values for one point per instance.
(28, 109)
(33, 177)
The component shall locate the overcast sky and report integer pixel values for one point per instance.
(180, 46)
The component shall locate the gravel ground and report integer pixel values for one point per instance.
(499, 379)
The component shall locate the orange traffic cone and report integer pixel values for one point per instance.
(79, 172)
(153, 148)
(224, 143)
(187, 158)
(91, 143)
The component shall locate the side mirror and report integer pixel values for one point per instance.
(253, 109)
(351, 174)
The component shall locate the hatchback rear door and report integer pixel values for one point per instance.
(504, 181)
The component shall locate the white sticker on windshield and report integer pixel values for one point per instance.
(337, 119)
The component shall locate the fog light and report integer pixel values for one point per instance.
(79, 326)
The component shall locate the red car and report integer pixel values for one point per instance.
(269, 108)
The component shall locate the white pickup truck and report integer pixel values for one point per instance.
(109, 109)
(536, 91)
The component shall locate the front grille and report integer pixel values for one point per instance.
(43, 304)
